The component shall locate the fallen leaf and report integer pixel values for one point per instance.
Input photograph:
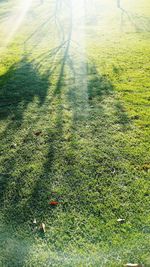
(54, 203)
(133, 265)
(34, 221)
(42, 227)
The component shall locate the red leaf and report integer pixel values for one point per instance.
(54, 203)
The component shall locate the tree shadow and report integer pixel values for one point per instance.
(78, 159)
(6, 11)
(122, 117)
(70, 165)
(62, 167)
(4, 16)
(91, 139)
(19, 86)
(98, 85)
(140, 23)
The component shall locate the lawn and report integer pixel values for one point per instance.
(74, 129)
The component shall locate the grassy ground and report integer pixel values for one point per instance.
(75, 128)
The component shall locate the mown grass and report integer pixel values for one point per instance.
(77, 126)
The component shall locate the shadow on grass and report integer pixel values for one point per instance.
(70, 153)
(4, 16)
(98, 85)
(139, 23)
(27, 182)
(21, 84)
(19, 87)
(122, 117)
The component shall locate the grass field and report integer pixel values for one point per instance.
(75, 128)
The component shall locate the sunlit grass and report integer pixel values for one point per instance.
(13, 21)
(93, 148)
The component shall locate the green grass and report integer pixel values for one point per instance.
(78, 125)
